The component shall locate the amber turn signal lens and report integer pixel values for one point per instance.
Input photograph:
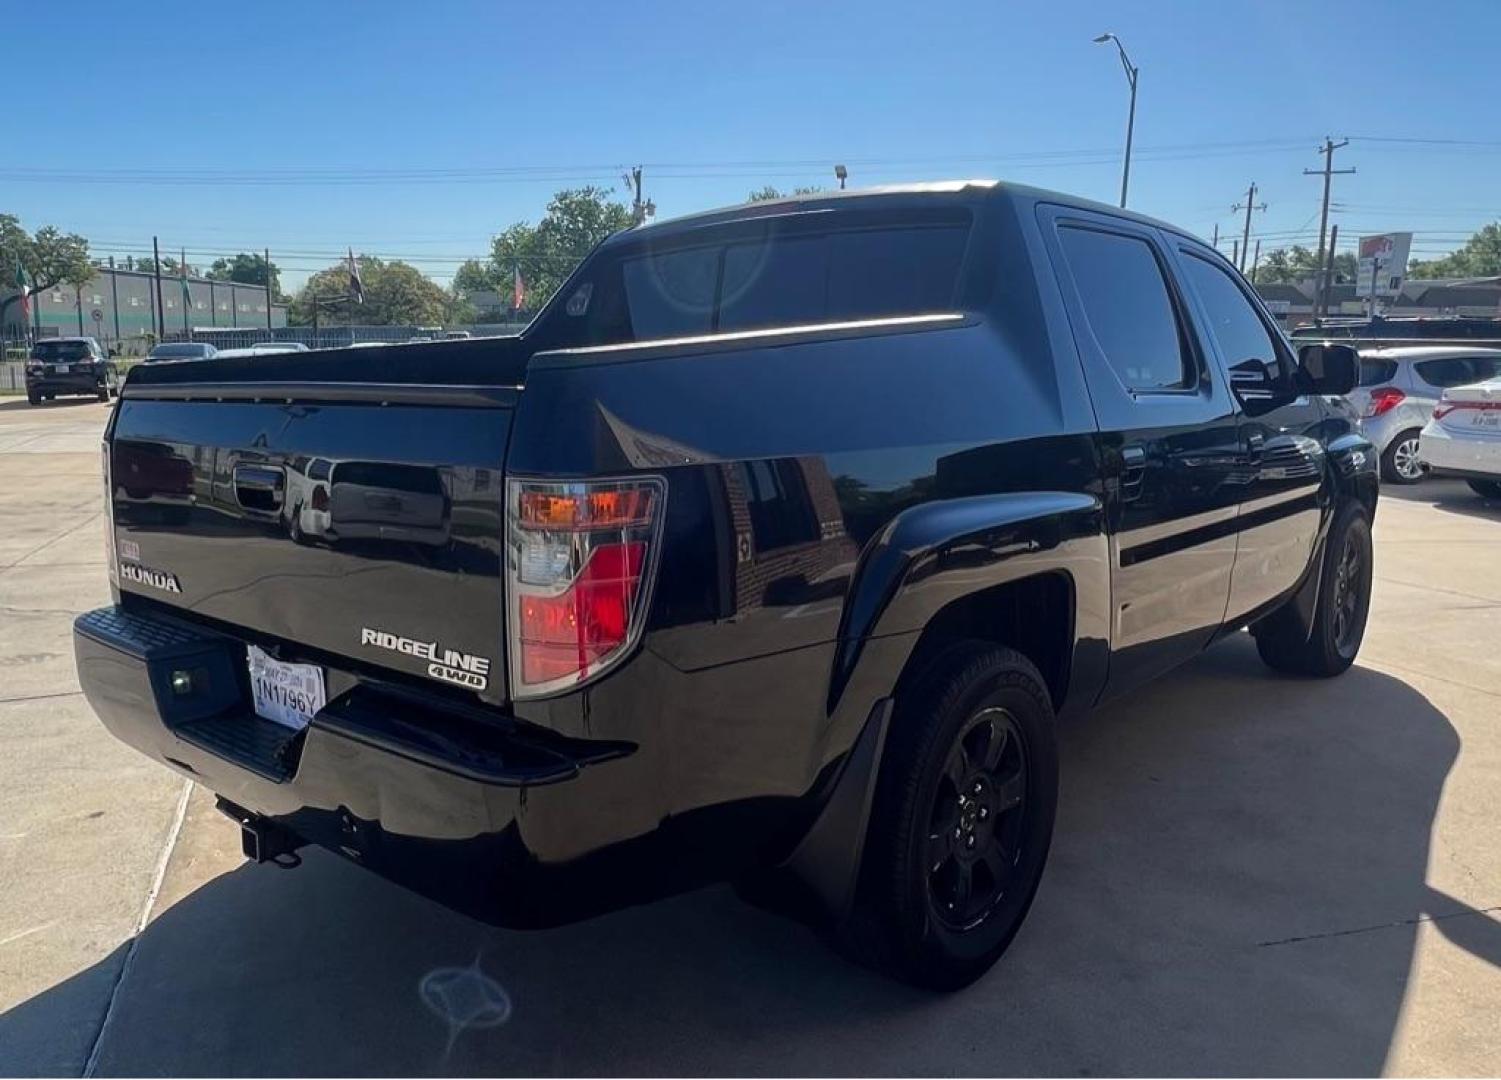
(616, 508)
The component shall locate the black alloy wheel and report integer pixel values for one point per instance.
(975, 831)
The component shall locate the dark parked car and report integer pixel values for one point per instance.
(770, 552)
(182, 350)
(70, 366)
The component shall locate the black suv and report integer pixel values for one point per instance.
(70, 366)
(770, 552)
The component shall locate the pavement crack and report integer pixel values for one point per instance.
(39, 697)
(43, 547)
(1414, 921)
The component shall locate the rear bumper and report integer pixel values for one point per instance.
(1477, 457)
(65, 384)
(433, 795)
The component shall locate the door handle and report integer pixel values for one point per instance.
(260, 488)
(1133, 468)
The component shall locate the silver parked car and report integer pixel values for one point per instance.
(1398, 389)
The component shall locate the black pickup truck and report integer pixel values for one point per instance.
(770, 553)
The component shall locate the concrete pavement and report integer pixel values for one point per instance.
(1252, 875)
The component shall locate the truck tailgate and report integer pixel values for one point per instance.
(351, 520)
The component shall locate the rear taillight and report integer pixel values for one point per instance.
(1384, 400)
(109, 516)
(319, 501)
(1445, 407)
(580, 559)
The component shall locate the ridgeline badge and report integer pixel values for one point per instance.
(449, 665)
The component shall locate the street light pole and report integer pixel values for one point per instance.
(1132, 71)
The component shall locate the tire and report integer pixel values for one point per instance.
(33, 399)
(1344, 602)
(104, 392)
(968, 792)
(1486, 489)
(1399, 461)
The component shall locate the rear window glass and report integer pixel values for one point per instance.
(1375, 372)
(162, 352)
(753, 276)
(61, 350)
(1459, 370)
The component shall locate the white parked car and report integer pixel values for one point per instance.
(1398, 389)
(1464, 437)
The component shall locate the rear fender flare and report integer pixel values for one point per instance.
(934, 554)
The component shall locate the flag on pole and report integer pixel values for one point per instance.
(518, 289)
(22, 287)
(356, 286)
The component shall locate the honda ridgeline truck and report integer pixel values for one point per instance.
(770, 552)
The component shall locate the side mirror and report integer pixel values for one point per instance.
(1328, 369)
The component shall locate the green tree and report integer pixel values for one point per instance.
(396, 294)
(546, 253)
(1298, 263)
(473, 276)
(1480, 257)
(247, 270)
(767, 193)
(48, 257)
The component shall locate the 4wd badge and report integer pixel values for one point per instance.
(448, 665)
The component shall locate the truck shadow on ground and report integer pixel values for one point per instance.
(1235, 887)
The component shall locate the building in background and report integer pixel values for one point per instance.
(124, 302)
(1293, 303)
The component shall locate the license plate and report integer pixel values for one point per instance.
(287, 693)
(1486, 418)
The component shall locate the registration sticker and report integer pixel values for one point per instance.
(287, 693)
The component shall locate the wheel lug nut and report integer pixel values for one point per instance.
(984, 812)
(958, 833)
(978, 788)
(970, 842)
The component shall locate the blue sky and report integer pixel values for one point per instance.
(716, 99)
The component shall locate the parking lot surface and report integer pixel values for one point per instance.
(1252, 875)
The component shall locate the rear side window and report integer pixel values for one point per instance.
(753, 276)
(1129, 309)
(1375, 372)
(1458, 371)
(1237, 329)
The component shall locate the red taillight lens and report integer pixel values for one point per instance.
(1384, 400)
(569, 633)
(580, 559)
(319, 501)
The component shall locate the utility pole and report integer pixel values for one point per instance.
(1328, 271)
(1215, 243)
(1255, 260)
(156, 266)
(1321, 284)
(114, 297)
(1235, 251)
(1245, 237)
(640, 209)
(267, 255)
